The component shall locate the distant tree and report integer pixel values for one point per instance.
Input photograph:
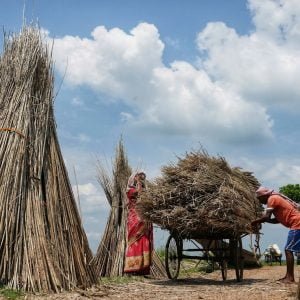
(292, 191)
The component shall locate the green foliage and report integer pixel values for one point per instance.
(161, 252)
(11, 294)
(120, 279)
(274, 263)
(192, 266)
(292, 191)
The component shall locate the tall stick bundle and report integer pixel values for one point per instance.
(43, 246)
(201, 195)
(110, 257)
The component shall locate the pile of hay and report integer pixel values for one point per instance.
(109, 259)
(201, 196)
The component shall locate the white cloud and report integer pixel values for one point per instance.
(80, 164)
(273, 172)
(87, 189)
(93, 205)
(93, 235)
(82, 174)
(283, 172)
(92, 199)
(112, 61)
(92, 220)
(187, 101)
(126, 117)
(264, 66)
(277, 20)
(226, 97)
(82, 137)
(77, 102)
(172, 42)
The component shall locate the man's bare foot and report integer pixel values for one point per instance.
(286, 280)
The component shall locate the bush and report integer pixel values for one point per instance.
(292, 191)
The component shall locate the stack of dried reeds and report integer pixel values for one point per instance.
(110, 257)
(43, 246)
(201, 196)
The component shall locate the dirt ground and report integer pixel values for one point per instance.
(258, 284)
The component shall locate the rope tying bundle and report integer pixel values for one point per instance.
(256, 247)
(13, 130)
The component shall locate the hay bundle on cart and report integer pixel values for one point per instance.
(43, 246)
(202, 195)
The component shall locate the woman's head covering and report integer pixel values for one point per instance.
(263, 191)
(131, 179)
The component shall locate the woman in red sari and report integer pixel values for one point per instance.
(139, 233)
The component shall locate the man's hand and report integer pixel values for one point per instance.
(256, 226)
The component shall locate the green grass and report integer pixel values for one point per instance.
(120, 279)
(11, 294)
(266, 264)
(195, 266)
(161, 252)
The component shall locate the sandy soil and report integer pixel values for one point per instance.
(258, 284)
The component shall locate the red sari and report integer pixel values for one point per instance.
(139, 240)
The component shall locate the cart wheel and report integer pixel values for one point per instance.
(173, 256)
(238, 259)
(224, 267)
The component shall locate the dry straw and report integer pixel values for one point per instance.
(202, 196)
(43, 246)
(109, 259)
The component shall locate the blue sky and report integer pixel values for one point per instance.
(170, 76)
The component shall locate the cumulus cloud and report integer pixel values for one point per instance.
(92, 203)
(92, 200)
(82, 174)
(263, 66)
(277, 19)
(87, 189)
(282, 172)
(273, 172)
(226, 96)
(112, 61)
(187, 101)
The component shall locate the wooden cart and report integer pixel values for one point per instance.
(219, 250)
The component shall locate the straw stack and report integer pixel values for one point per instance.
(202, 196)
(43, 246)
(110, 257)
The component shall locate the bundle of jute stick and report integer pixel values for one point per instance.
(201, 196)
(110, 257)
(43, 246)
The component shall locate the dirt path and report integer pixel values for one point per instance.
(258, 284)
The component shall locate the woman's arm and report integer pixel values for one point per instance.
(139, 184)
